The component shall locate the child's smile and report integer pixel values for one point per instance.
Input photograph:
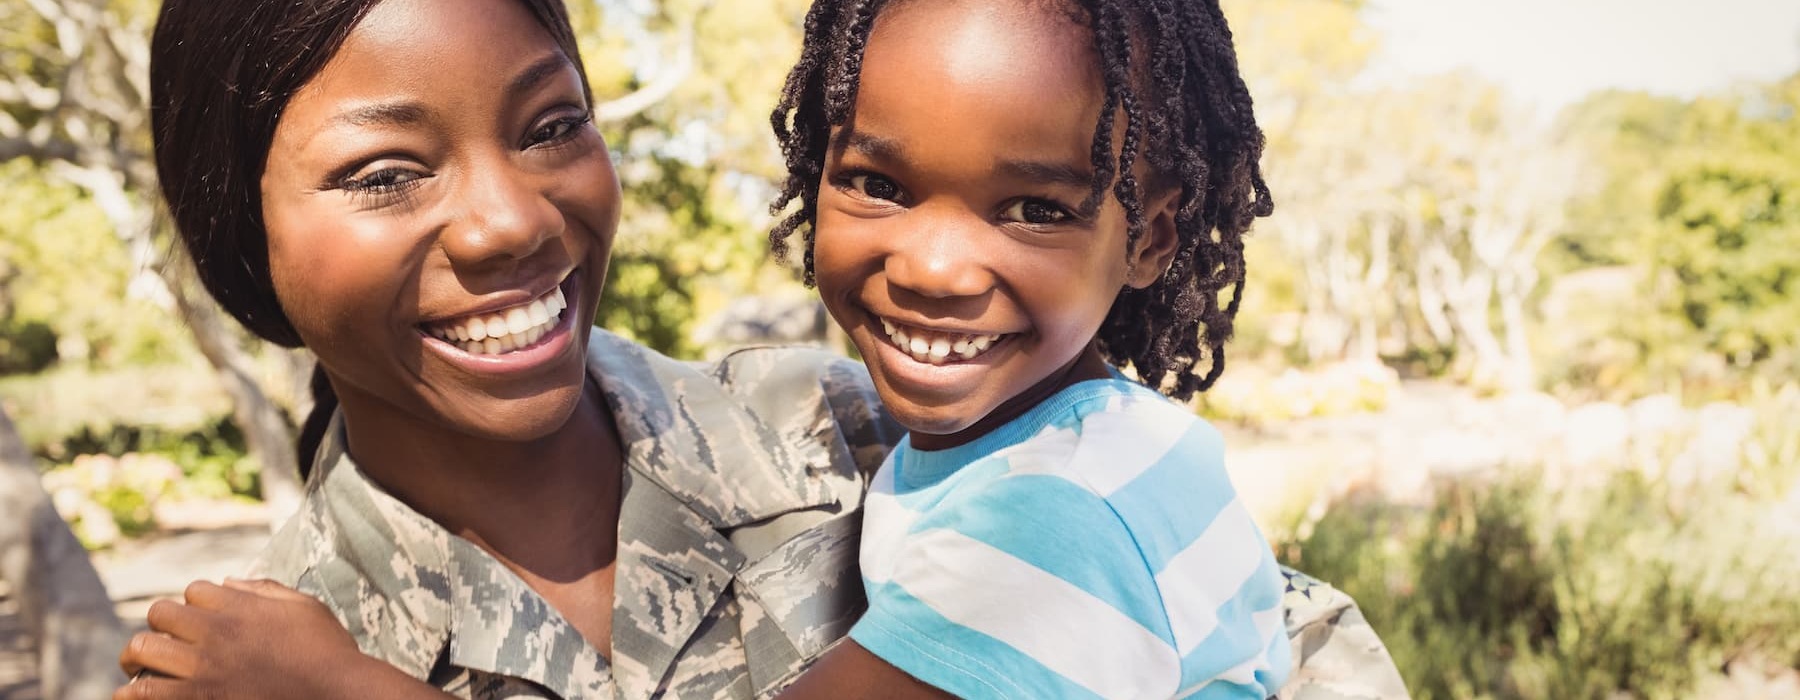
(951, 243)
(939, 346)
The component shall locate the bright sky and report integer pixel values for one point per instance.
(1553, 52)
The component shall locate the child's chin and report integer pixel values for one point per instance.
(935, 423)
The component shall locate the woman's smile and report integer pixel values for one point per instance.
(509, 339)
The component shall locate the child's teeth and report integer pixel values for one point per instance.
(937, 350)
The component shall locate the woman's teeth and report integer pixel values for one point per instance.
(937, 348)
(505, 330)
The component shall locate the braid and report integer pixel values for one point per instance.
(1170, 70)
(820, 91)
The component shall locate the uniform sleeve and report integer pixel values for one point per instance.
(1337, 655)
(1031, 587)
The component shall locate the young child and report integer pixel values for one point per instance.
(1002, 202)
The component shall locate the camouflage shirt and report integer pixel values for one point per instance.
(738, 537)
(737, 541)
(1337, 656)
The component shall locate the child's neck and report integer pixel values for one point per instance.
(1086, 366)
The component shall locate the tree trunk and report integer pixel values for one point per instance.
(267, 433)
(64, 605)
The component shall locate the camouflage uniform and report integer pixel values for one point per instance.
(1337, 656)
(738, 538)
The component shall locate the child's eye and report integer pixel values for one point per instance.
(875, 186)
(1036, 211)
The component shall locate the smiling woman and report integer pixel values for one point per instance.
(503, 502)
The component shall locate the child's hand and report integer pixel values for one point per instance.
(246, 639)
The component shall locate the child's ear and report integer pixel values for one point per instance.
(1155, 249)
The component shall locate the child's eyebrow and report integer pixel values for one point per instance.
(874, 147)
(1038, 171)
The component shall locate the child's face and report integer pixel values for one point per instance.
(441, 170)
(949, 242)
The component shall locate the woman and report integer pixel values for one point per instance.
(414, 190)
(504, 505)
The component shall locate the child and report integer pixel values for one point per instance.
(1050, 528)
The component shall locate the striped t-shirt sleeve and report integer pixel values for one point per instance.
(1113, 561)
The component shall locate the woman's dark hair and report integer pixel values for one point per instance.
(1170, 68)
(221, 72)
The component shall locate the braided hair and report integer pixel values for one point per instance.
(1170, 70)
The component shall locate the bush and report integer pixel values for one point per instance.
(1634, 588)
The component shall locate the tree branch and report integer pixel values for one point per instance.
(658, 89)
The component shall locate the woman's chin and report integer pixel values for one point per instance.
(517, 420)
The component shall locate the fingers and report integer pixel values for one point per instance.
(147, 688)
(160, 653)
(184, 622)
(211, 596)
(267, 589)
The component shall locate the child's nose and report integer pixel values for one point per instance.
(939, 263)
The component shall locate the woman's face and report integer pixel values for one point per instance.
(435, 198)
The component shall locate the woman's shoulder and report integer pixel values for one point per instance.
(784, 382)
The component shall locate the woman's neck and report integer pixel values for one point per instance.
(547, 508)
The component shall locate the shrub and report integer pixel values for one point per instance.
(1638, 587)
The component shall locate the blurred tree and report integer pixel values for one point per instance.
(696, 167)
(1407, 219)
(74, 102)
(1698, 203)
(61, 598)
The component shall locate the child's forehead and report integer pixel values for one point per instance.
(986, 41)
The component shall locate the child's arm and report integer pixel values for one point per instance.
(254, 639)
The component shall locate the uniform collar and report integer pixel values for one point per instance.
(447, 599)
(698, 461)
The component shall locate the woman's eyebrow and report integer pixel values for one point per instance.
(383, 114)
(537, 73)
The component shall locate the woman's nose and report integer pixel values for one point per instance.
(506, 216)
(940, 261)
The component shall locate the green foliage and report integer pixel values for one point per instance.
(1700, 201)
(695, 167)
(64, 278)
(1637, 588)
(1731, 236)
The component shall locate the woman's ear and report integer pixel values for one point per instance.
(1155, 249)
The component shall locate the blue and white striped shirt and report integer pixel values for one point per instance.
(1091, 548)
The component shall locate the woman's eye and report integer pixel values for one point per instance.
(876, 186)
(384, 180)
(1036, 211)
(557, 130)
